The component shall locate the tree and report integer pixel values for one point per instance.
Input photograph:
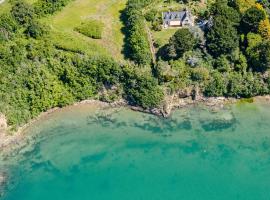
(244, 5)
(253, 40)
(181, 42)
(251, 20)
(221, 8)
(222, 37)
(217, 85)
(259, 56)
(264, 29)
(23, 13)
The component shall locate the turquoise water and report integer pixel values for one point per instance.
(84, 153)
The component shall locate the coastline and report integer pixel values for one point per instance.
(170, 104)
(8, 142)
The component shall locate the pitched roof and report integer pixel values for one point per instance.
(176, 16)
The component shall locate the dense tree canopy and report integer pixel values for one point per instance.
(251, 19)
(222, 37)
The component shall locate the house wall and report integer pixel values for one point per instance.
(175, 23)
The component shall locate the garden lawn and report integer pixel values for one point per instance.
(78, 11)
(4, 7)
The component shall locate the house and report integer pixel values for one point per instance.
(177, 19)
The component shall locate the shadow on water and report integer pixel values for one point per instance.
(149, 123)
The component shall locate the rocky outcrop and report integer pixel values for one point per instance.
(3, 123)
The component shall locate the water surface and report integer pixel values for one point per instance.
(85, 153)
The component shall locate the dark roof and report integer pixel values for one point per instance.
(174, 16)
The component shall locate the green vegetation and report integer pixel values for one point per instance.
(66, 51)
(76, 12)
(138, 48)
(42, 74)
(91, 28)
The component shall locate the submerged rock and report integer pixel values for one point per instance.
(2, 182)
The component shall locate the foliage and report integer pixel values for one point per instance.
(259, 56)
(264, 29)
(49, 7)
(23, 13)
(8, 26)
(35, 30)
(244, 5)
(137, 39)
(216, 86)
(251, 19)
(142, 90)
(91, 28)
(180, 42)
(222, 37)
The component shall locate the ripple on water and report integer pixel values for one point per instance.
(87, 153)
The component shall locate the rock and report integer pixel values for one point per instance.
(2, 179)
(187, 92)
(3, 123)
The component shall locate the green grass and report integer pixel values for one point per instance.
(164, 35)
(78, 11)
(76, 43)
(5, 7)
(91, 28)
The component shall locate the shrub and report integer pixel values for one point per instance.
(137, 39)
(49, 7)
(8, 26)
(200, 74)
(23, 13)
(91, 28)
(35, 30)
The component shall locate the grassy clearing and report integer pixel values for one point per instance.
(78, 11)
(163, 36)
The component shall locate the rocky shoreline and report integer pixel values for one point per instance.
(171, 103)
(7, 138)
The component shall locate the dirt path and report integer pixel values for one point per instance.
(151, 42)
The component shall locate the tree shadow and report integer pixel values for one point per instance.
(125, 30)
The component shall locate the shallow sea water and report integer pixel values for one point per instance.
(85, 153)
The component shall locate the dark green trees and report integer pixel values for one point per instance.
(222, 37)
(179, 43)
(251, 19)
(259, 56)
(137, 39)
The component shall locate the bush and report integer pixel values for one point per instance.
(181, 42)
(137, 38)
(200, 74)
(142, 90)
(49, 7)
(217, 85)
(8, 26)
(23, 13)
(91, 28)
(35, 30)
